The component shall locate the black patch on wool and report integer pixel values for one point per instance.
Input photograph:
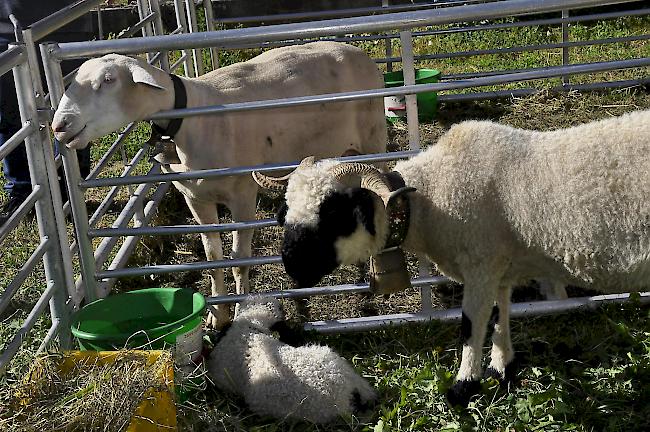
(462, 392)
(465, 328)
(308, 253)
(282, 213)
(288, 334)
(358, 405)
(494, 318)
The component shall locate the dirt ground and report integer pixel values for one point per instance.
(543, 111)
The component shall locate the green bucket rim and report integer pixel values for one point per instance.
(80, 334)
(434, 73)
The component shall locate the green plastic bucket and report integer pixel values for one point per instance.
(151, 318)
(427, 102)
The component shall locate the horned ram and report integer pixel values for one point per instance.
(495, 207)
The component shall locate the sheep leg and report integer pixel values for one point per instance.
(242, 210)
(501, 365)
(205, 212)
(478, 300)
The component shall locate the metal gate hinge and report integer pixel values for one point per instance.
(45, 115)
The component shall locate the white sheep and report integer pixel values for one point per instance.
(113, 90)
(309, 382)
(495, 207)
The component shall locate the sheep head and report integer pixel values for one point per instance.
(106, 94)
(329, 218)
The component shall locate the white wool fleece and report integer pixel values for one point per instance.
(310, 382)
(305, 192)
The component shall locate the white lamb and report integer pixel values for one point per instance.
(495, 207)
(309, 382)
(113, 90)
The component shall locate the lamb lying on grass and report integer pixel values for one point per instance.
(309, 382)
(495, 207)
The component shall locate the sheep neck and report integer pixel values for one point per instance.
(398, 210)
(180, 102)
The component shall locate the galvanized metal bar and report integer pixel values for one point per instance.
(518, 49)
(565, 48)
(209, 26)
(51, 334)
(105, 247)
(529, 91)
(12, 57)
(182, 229)
(193, 27)
(14, 345)
(22, 274)
(54, 222)
(540, 73)
(178, 62)
(220, 172)
(106, 157)
(466, 29)
(518, 310)
(100, 23)
(181, 21)
(343, 12)
(125, 251)
(387, 37)
(400, 21)
(319, 291)
(58, 19)
(200, 265)
(49, 217)
(20, 213)
(408, 71)
(16, 139)
(147, 29)
(158, 30)
(139, 26)
(71, 165)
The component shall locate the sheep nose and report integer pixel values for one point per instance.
(59, 125)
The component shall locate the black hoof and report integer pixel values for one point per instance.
(460, 393)
(507, 376)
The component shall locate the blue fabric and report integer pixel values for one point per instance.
(15, 165)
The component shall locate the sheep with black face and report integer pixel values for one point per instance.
(495, 207)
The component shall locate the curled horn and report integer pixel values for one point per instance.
(278, 183)
(371, 178)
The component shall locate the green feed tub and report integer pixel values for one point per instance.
(152, 318)
(427, 102)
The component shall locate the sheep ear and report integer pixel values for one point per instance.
(142, 76)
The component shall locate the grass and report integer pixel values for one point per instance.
(584, 371)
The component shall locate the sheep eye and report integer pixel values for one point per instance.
(108, 79)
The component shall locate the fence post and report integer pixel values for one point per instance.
(158, 31)
(181, 21)
(209, 26)
(50, 164)
(56, 87)
(37, 151)
(565, 49)
(193, 28)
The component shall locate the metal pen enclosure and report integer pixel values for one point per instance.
(299, 33)
(403, 22)
(54, 249)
